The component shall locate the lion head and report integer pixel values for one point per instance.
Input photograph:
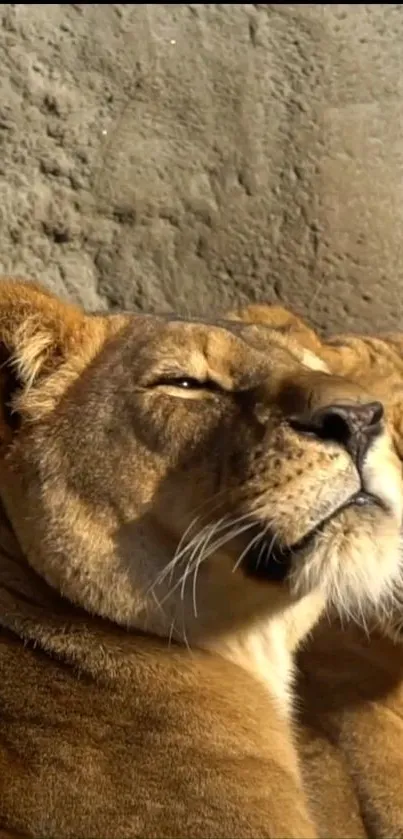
(186, 477)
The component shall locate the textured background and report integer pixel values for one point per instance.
(196, 156)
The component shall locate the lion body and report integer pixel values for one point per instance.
(147, 673)
(351, 693)
(103, 734)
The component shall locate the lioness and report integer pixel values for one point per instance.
(184, 503)
(351, 682)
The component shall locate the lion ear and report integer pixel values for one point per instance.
(278, 318)
(275, 317)
(38, 332)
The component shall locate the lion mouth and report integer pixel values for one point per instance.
(271, 562)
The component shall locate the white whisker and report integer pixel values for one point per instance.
(183, 537)
(237, 531)
(190, 555)
(194, 542)
(248, 548)
(209, 530)
(198, 564)
(213, 548)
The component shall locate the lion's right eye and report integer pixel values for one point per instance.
(187, 383)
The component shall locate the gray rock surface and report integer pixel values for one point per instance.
(197, 156)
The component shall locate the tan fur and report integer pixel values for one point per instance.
(146, 668)
(351, 683)
(351, 692)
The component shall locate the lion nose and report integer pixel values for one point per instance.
(353, 426)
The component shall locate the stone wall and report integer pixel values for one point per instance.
(196, 156)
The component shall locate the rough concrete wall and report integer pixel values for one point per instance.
(196, 156)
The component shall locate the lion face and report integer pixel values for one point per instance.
(185, 477)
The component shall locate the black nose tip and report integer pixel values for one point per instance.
(353, 425)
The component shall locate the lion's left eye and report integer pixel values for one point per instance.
(187, 383)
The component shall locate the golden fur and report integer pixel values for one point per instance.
(163, 566)
(351, 680)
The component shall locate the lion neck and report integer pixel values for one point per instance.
(267, 649)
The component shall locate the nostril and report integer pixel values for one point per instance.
(377, 411)
(349, 424)
(325, 424)
(333, 426)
